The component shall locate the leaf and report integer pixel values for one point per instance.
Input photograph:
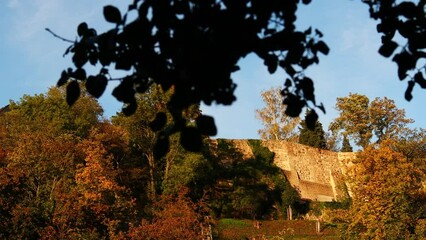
(129, 108)
(124, 92)
(388, 48)
(124, 62)
(294, 105)
(235, 68)
(322, 47)
(159, 122)
(190, 139)
(82, 29)
(407, 9)
(206, 125)
(321, 107)
(96, 85)
(319, 33)
(112, 14)
(73, 92)
(288, 83)
(288, 68)
(405, 61)
(311, 119)
(271, 61)
(63, 79)
(419, 79)
(306, 1)
(307, 86)
(161, 147)
(308, 31)
(408, 95)
(79, 74)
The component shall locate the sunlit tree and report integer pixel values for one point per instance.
(277, 125)
(362, 120)
(385, 185)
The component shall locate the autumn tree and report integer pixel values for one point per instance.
(312, 137)
(384, 184)
(361, 120)
(103, 200)
(39, 137)
(175, 216)
(277, 125)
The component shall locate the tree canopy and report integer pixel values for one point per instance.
(194, 47)
(312, 137)
(362, 120)
(278, 126)
(386, 187)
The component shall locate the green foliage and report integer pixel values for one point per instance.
(250, 187)
(361, 120)
(346, 145)
(231, 222)
(314, 137)
(192, 170)
(50, 113)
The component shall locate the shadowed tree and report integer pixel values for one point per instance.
(147, 145)
(346, 145)
(312, 137)
(277, 125)
(195, 46)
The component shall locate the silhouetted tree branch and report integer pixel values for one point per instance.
(194, 46)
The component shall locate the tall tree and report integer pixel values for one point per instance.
(362, 120)
(386, 119)
(141, 126)
(354, 118)
(195, 46)
(277, 125)
(384, 185)
(142, 137)
(312, 137)
(346, 145)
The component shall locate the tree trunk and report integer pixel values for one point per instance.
(151, 184)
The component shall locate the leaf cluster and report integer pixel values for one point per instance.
(194, 47)
(405, 18)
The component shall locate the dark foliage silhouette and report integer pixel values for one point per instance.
(194, 46)
(313, 136)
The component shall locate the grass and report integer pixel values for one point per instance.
(234, 229)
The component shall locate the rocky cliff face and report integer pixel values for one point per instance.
(317, 174)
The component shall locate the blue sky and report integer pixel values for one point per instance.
(31, 59)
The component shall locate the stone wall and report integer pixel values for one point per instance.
(317, 174)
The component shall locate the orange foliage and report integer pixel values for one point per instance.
(174, 217)
(384, 186)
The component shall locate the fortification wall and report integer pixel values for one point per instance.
(317, 174)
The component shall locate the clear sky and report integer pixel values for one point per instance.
(31, 59)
